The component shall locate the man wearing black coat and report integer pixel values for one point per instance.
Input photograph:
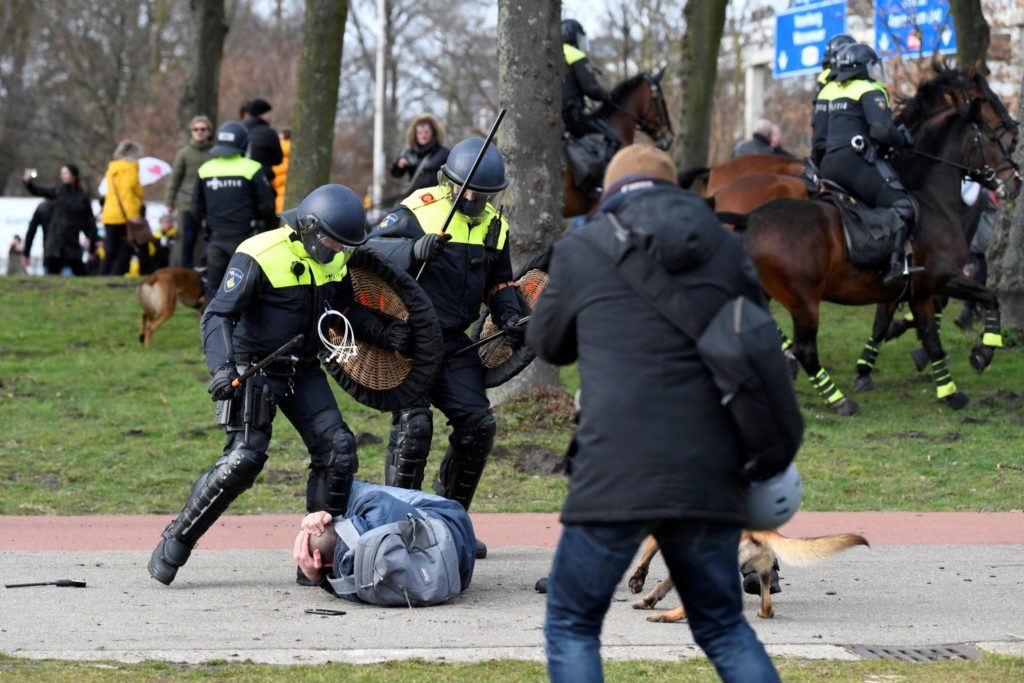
(264, 142)
(71, 215)
(654, 452)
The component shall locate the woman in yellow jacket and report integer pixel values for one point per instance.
(123, 202)
(281, 170)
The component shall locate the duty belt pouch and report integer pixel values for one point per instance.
(263, 414)
(222, 410)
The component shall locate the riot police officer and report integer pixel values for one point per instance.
(580, 81)
(278, 284)
(466, 266)
(860, 131)
(819, 115)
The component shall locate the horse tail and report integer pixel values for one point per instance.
(737, 220)
(688, 176)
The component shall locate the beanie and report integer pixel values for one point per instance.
(258, 107)
(640, 160)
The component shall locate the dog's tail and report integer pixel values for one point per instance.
(805, 551)
(149, 298)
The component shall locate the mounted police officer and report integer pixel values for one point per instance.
(819, 115)
(231, 199)
(580, 81)
(466, 266)
(860, 130)
(278, 285)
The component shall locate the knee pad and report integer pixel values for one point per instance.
(332, 470)
(463, 464)
(408, 448)
(474, 438)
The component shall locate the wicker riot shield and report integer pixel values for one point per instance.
(383, 378)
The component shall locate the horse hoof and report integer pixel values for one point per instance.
(920, 358)
(846, 407)
(957, 401)
(981, 358)
(863, 383)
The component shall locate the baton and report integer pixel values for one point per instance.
(480, 342)
(63, 583)
(295, 341)
(469, 176)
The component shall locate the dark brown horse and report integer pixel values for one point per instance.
(961, 128)
(637, 103)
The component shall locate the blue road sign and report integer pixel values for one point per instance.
(801, 34)
(913, 28)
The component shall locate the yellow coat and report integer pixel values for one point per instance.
(281, 174)
(122, 182)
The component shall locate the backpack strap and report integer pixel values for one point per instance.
(646, 276)
(346, 530)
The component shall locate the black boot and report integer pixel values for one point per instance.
(541, 586)
(481, 550)
(169, 554)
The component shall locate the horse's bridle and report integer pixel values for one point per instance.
(661, 130)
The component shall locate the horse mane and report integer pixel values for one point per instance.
(619, 94)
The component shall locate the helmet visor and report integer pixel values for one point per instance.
(473, 202)
(876, 72)
(583, 43)
(320, 246)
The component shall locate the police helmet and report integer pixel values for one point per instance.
(573, 33)
(857, 60)
(488, 180)
(772, 502)
(232, 138)
(832, 47)
(330, 219)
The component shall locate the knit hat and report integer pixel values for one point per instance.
(258, 107)
(640, 160)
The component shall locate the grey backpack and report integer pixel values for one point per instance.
(409, 563)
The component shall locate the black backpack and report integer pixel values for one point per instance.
(741, 347)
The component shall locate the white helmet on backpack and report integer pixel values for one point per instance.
(773, 502)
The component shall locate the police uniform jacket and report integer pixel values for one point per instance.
(819, 119)
(653, 440)
(230, 193)
(272, 291)
(474, 268)
(859, 107)
(578, 82)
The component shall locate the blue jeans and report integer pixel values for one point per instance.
(702, 560)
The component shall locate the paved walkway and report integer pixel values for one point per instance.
(928, 579)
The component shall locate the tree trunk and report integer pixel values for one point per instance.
(972, 34)
(1005, 253)
(202, 83)
(705, 20)
(530, 75)
(323, 32)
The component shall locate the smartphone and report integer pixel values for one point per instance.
(31, 173)
(325, 612)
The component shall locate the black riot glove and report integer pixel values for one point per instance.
(429, 247)
(220, 385)
(397, 335)
(515, 334)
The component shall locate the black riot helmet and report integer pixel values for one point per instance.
(330, 219)
(857, 61)
(832, 47)
(573, 33)
(488, 180)
(232, 138)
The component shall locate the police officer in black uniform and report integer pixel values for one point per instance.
(580, 81)
(819, 115)
(467, 266)
(278, 284)
(231, 199)
(860, 131)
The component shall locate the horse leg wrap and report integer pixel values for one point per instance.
(331, 471)
(234, 472)
(408, 448)
(826, 388)
(993, 335)
(944, 385)
(868, 356)
(463, 463)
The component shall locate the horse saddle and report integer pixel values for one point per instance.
(587, 157)
(869, 234)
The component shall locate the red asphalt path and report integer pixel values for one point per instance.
(139, 532)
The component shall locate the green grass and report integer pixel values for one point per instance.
(994, 668)
(92, 423)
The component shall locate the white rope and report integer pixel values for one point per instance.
(346, 349)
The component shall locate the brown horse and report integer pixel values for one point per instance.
(961, 128)
(748, 192)
(716, 177)
(637, 103)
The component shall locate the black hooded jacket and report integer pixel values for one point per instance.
(653, 441)
(71, 214)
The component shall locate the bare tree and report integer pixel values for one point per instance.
(206, 49)
(323, 34)
(530, 74)
(705, 20)
(972, 33)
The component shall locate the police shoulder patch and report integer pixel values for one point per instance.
(232, 279)
(388, 221)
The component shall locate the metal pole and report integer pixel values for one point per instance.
(378, 114)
